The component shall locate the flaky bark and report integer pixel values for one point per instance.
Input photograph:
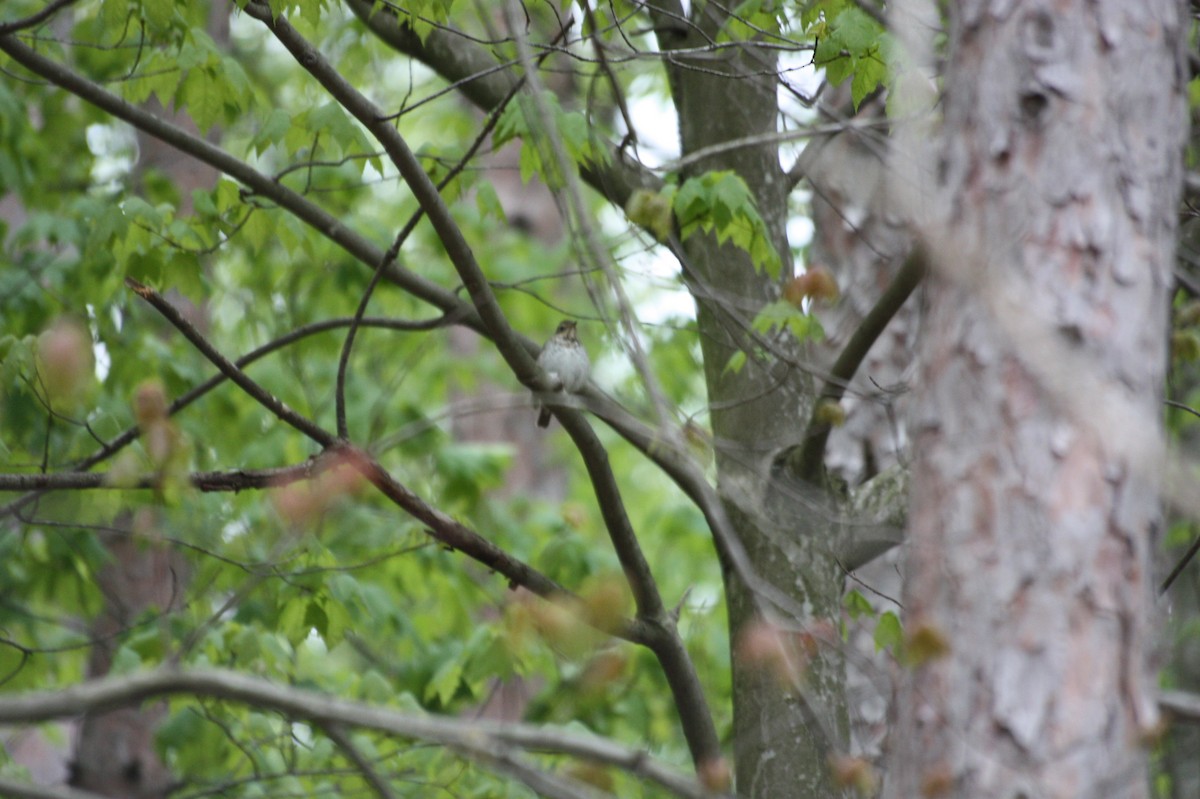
(1036, 420)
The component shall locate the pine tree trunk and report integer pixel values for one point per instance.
(1037, 418)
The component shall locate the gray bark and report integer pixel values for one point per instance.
(1037, 419)
(783, 734)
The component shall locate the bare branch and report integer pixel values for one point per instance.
(306, 211)
(229, 369)
(456, 310)
(805, 462)
(236, 480)
(480, 739)
(1182, 705)
(131, 434)
(457, 59)
(485, 131)
(441, 526)
(359, 760)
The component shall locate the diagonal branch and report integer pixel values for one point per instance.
(805, 461)
(440, 526)
(339, 737)
(131, 434)
(229, 369)
(34, 20)
(516, 348)
(680, 672)
(484, 132)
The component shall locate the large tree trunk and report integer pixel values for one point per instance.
(1037, 415)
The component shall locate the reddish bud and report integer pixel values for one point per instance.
(762, 645)
(604, 668)
(926, 642)
(66, 363)
(715, 774)
(937, 781)
(854, 772)
(816, 284)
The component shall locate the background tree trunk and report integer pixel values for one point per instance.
(1036, 420)
(783, 735)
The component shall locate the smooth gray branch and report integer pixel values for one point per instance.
(481, 739)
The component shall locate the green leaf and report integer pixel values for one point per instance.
(889, 634)
(376, 688)
(158, 14)
(445, 681)
(870, 73)
(272, 130)
(736, 362)
(488, 202)
(851, 44)
(856, 30)
(295, 621)
(125, 661)
(721, 203)
(857, 605)
(522, 119)
(813, 13)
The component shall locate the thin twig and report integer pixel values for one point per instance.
(129, 435)
(35, 19)
(212, 481)
(229, 369)
(365, 767)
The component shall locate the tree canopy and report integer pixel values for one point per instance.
(274, 279)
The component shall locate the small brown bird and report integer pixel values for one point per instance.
(565, 362)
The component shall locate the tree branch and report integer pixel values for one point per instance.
(695, 717)
(484, 132)
(442, 527)
(335, 733)
(35, 19)
(481, 739)
(518, 348)
(805, 461)
(611, 185)
(1182, 705)
(229, 369)
(236, 480)
(131, 434)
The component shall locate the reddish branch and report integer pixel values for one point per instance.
(445, 529)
